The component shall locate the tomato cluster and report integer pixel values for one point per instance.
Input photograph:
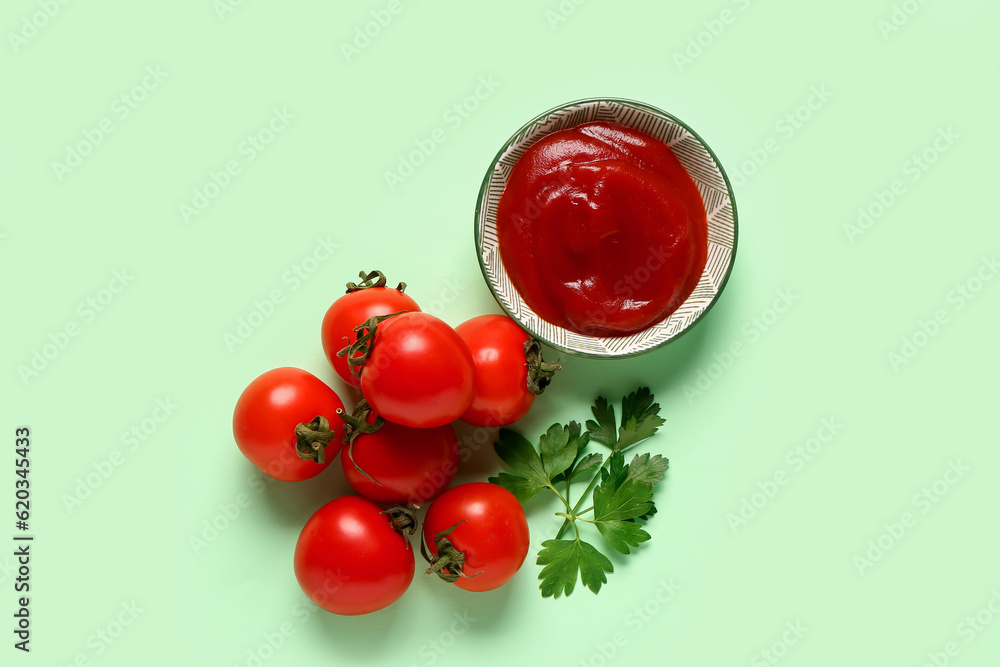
(398, 448)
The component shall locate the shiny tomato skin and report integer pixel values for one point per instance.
(267, 413)
(419, 373)
(412, 465)
(354, 309)
(494, 537)
(497, 346)
(350, 561)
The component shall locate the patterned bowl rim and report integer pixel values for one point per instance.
(614, 347)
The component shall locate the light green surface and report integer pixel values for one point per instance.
(826, 357)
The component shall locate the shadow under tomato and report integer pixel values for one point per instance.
(430, 615)
(478, 459)
(292, 503)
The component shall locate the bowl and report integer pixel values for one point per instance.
(699, 161)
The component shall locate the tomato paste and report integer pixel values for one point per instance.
(601, 229)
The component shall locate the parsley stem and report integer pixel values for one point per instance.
(586, 494)
(556, 491)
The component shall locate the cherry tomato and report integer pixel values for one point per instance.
(276, 424)
(412, 465)
(419, 373)
(350, 560)
(354, 309)
(490, 531)
(508, 374)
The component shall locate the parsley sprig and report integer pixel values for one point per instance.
(621, 493)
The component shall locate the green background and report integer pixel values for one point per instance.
(733, 422)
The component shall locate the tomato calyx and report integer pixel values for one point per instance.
(311, 439)
(402, 519)
(371, 279)
(540, 372)
(448, 562)
(357, 353)
(357, 424)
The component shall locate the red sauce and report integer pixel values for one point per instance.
(601, 229)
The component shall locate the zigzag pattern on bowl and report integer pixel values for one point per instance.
(696, 160)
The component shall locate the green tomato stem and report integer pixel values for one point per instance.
(311, 439)
(540, 372)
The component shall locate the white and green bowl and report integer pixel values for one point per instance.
(699, 161)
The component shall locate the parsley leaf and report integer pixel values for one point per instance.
(579, 440)
(621, 493)
(626, 501)
(616, 507)
(604, 430)
(559, 448)
(528, 473)
(640, 418)
(565, 560)
(616, 471)
(647, 470)
(523, 488)
(531, 470)
(622, 534)
(588, 462)
(651, 512)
